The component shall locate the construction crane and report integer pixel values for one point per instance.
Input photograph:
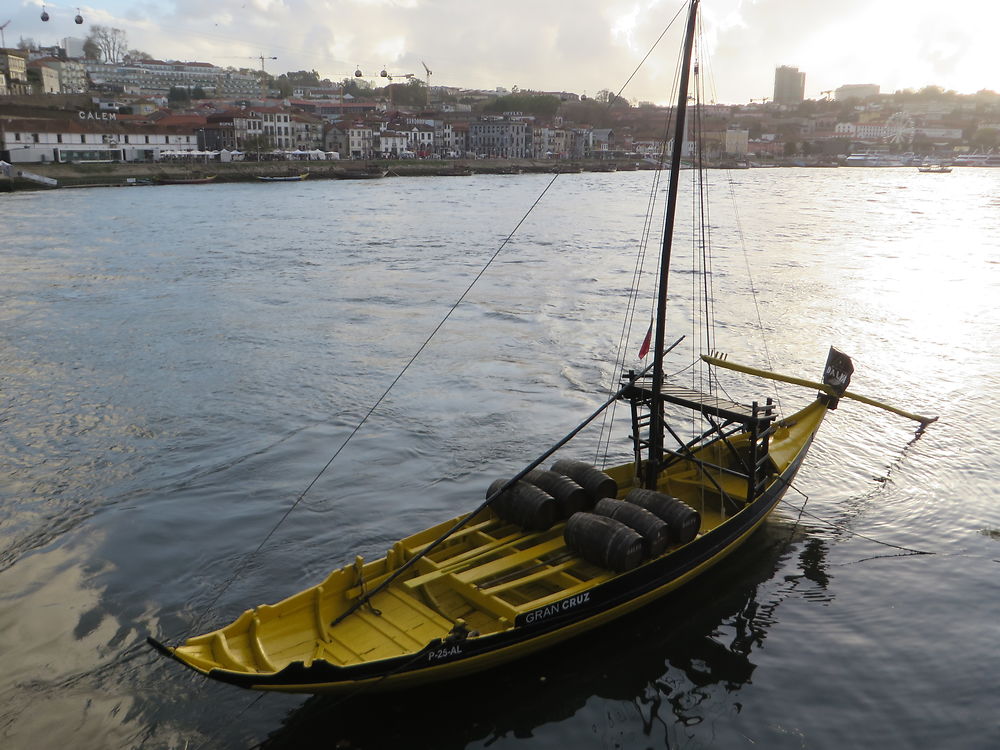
(262, 58)
(390, 76)
(3, 42)
(428, 71)
(263, 73)
(410, 76)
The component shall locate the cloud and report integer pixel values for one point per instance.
(574, 45)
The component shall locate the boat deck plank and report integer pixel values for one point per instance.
(510, 561)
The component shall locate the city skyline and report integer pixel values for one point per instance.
(584, 46)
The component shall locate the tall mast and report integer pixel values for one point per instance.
(656, 417)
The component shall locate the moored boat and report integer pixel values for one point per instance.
(287, 178)
(977, 160)
(872, 159)
(360, 174)
(185, 180)
(550, 552)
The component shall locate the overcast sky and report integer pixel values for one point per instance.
(570, 45)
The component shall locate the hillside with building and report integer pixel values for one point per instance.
(58, 105)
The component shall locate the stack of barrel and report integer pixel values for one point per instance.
(614, 534)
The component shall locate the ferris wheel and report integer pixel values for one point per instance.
(899, 128)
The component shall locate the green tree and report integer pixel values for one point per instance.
(257, 144)
(606, 96)
(90, 49)
(198, 93)
(301, 77)
(35, 80)
(178, 96)
(985, 138)
(356, 87)
(413, 93)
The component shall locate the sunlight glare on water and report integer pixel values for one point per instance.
(179, 362)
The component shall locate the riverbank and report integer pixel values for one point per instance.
(128, 174)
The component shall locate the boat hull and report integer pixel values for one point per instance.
(186, 181)
(291, 178)
(448, 657)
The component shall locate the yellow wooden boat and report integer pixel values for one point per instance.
(492, 591)
(548, 554)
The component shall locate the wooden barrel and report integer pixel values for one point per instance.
(524, 504)
(603, 541)
(594, 481)
(654, 530)
(569, 496)
(682, 520)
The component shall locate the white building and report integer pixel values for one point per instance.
(360, 141)
(91, 137)
(393, 143)
(48, 73)
(73, 46)
(14, 68)
(550, 143)
(277, 126)
(504, 137)
(421, 139)
(148, 77)
(307, 132)
(737, 142)
(72, 77)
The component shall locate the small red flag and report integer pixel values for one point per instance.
(644, 349)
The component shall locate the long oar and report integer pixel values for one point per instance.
(924, 421)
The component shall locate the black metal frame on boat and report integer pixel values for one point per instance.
(755, 420)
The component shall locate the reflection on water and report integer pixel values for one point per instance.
(164, 402)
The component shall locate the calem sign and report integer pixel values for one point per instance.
(98, 115)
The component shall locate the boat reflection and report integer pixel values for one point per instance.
(667, 659)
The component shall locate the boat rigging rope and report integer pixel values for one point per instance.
(482, 271)
(250, 556)
(604, 440)
(653, 47)
(458, 525)
(841, 527)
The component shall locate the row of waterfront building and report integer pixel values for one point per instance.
(53, 71)
(94, 129)
(89, 135)
(131, 119)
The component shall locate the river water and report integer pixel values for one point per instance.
(179, 362)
